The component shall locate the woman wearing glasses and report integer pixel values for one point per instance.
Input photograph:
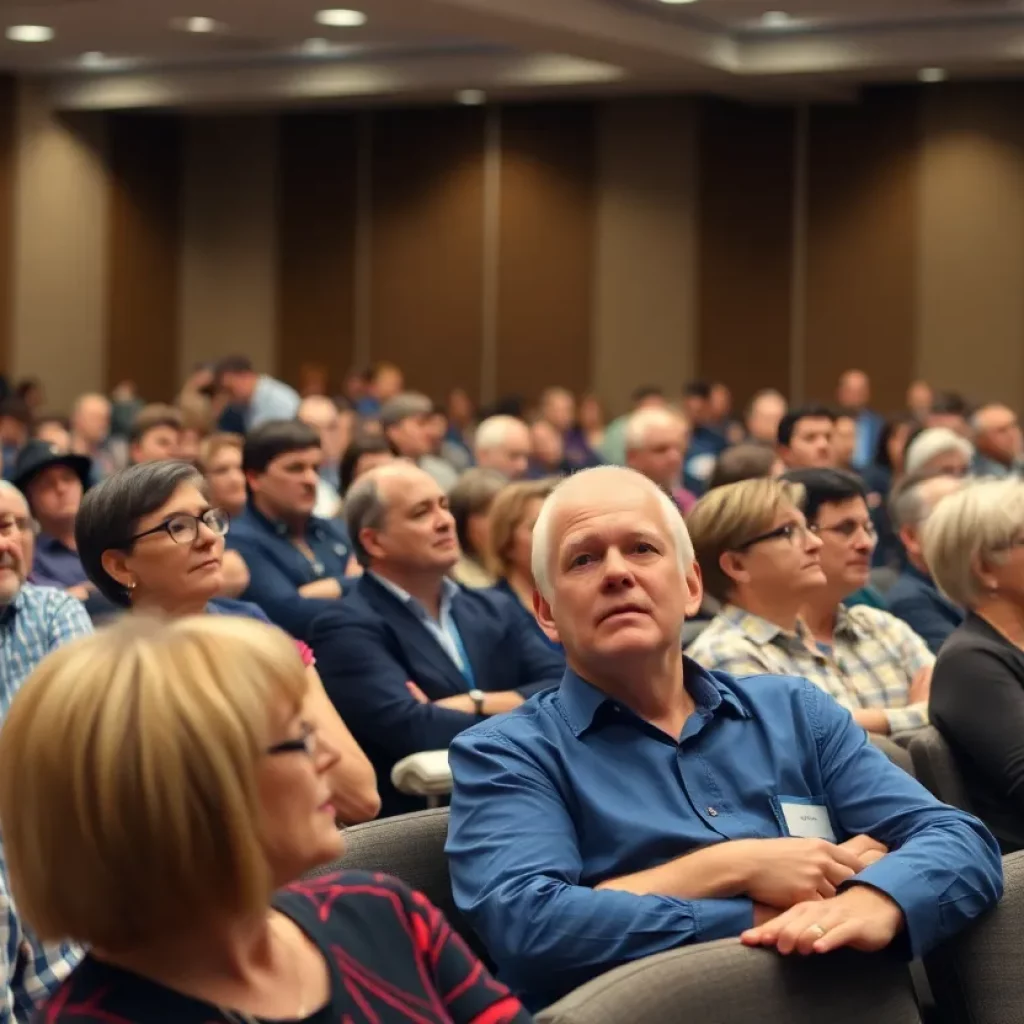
(191, 793)
(150, 541)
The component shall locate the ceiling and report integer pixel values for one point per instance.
(426, 50)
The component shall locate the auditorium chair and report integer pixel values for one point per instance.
(726, 983)
(976, 976)
(936, 767)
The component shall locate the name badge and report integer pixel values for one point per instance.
(806, 819)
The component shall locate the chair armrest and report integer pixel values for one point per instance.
(423, 774)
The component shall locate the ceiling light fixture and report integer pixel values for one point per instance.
(338, 17)
(471, 97)
(92, 59)
(932, 75)
(197, 24)
(775, 19)
(30, 33)
(678, 1)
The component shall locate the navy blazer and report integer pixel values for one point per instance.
(369, 645)
(916, 600)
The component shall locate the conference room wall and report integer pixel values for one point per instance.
(599, 244)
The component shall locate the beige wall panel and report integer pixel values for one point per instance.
(645, 267)
(971, 272)
(60, 222)
(229, 240)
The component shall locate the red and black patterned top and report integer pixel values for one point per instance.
(393, 959)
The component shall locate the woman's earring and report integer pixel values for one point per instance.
(131, 586)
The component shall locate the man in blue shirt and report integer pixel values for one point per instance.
(409, 658)
(853, 394)
(648, 803)
(914, 597)
(706, 443)
(297, 562)
(260, 397)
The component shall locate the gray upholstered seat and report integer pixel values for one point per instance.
(935, 766)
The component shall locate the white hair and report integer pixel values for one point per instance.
(541, 553)
(931, 443)
(6, 487)
(493, 432)
(643, 420)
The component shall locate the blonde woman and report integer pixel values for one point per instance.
(470, 503)
(166, 834)
(513, 516)
(974, 548)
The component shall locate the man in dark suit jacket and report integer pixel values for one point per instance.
(914, 597)
(409, 658)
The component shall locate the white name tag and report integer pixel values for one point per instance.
(806, 820)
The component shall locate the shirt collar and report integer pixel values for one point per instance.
(47, 542)
(846, 625)
(922, 577)
(710, 692)
(760, 631)
(8, 611)
(449, 588)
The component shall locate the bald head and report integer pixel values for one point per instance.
(997, 434)
(503, 443)
(90, 419)
(656, 440)
(854, 390)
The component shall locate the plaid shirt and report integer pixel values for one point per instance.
(32, 971)
(36, 622)
(872, 662)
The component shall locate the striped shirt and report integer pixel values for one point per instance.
(35, 623)
(872, 662)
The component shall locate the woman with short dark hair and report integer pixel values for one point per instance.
(470, 504)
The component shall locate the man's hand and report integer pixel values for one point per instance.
(921, 686)
(782, 872)
(494, 703)
(861, 918)
(867, 849)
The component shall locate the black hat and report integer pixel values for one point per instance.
(39, 455)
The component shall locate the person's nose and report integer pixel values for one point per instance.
(326, 755)
(617, 570)
(311, 476)
(812, 542)
(445, 521)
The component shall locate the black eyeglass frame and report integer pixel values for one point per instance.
(165, 527)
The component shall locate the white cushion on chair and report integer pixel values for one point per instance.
(423, 774)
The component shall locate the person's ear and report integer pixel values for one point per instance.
(115, 565)
(733, 565)
(694, 591)
(370, 539)
(545, 619)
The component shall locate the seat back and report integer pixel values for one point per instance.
(411, 848)
(727, 983)
(976, 975)
(936, 768)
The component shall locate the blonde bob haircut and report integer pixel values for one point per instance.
(505, 516)
(128, 777)
(969, 530)
(729, 516)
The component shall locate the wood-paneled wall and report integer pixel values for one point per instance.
(8, 160)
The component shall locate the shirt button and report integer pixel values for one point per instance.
(712, 812)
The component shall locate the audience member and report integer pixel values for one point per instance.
(938, 450)
(853, 395)
(461, 419)
(548, 452)
(313, 380)
(889, 463)
(470, 504)
(15, 427)
(206, 771)
(558, 407)
(914, 597)
(32, 392)
(761, 560)
(259, 396)
(33, 620)
(720, 405)
(747, 461)
(509, 548)
(805, 437)
(363, 454)
(54, 431)
(503, 443)
(949, 410)
(354, 388)
(782, 824)
(613, 446)
(151, 542)
(220, 460)
(706, 443)
(155, 434)
(656, 441)
(884, 665)
(295, 560)
(844, 440)
(322, 415)
(590, 421)
(919, 399)
(453, 452)
(385, 382)
(90, 429)
(404, 422)
(998, 442)
(411, 659)
(764, 414)
(973, 546)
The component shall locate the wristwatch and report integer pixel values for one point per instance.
(477, 697)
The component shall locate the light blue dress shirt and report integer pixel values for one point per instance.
(574, 789)
(272, 400)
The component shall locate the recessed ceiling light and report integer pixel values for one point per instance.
(339, 17)
(678, 1)
(92, 59)
(931, 75)
(29, 33)
(775, 19)
(197, 24)
(471, 97)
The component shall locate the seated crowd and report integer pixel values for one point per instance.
(241, 611)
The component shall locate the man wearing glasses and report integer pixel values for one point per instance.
(782, 556)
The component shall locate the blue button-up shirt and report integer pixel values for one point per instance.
(56, 565)
(36, 622)
(574, 789)
(271, 400)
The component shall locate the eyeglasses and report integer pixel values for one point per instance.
(795, 533)
(304, 744)
(183, 528)
(847, 529)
